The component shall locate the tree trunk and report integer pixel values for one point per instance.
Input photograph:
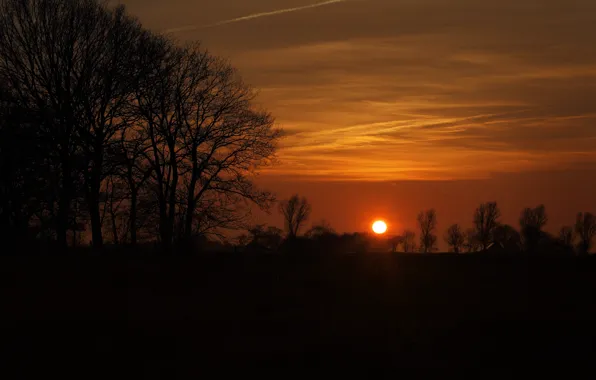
(171, 216)
(189, 218)
(94, 213)
(64, 203)
(172, 201)
(190, 202)
(133, 217)
(114, 227)
(93, 190)
(95, 216)
(190, 208)
(166, 239)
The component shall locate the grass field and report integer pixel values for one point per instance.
(163, 316)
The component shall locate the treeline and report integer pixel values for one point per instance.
(106, 125)
(488, 233)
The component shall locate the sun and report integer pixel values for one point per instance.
(379, 227)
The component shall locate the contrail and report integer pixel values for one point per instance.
(252, 16)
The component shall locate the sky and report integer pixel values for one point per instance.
(394, 106)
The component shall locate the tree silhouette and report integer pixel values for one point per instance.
(295, 211)
(71, 61)
(409, 241)
(585, 229)
(261, 237)
(472, 243)
(110, 106)
(395, 242)
(110, 85)
(243, 240)
(205, 140)
(427, 222)
(507, 237)
(224, 138)
(566, 236)
(531, 221)
(486, 219)
(320, 229)
(455, 238)
(129, 167)
(274, 237)
(25, 186)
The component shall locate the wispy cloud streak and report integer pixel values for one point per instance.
(253, 16)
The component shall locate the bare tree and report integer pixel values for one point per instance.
(114, 197)
(395, 242)
(486, 219)
(566, 236)
(472, 243)
(156, 108)
(126, 157)
(274, 237)
(25, 180)
(70, 61)
(242, 240)
(270, 237)
(585, 229)
(39, 63)
(427, 221)
(455, 238)
(205, 140)
(296, 212)
(507, 236)
(531, 221)
(112, 79)
(409, 241)
(223, 137)
(320, 229)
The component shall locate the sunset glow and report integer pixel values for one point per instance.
(392, 107)
(379, 227)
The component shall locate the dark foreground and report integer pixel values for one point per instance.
(159, 317)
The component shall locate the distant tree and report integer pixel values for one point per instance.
(356, 242)
(256, 231)
(265, 237)
(273, 237)
(507, 236)
(472, 243)
(395, 242)
(409, 241)
(531, 221)
(296, 212)
(566, 236)
(427, 222)
(242, 240)
(455, 238)
(585, 229)
(486, 219)
(320, 229)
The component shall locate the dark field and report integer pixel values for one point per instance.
(155, 317)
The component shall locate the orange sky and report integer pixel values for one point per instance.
(391, 106)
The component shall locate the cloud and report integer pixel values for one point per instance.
(253, 16)
(433, 89)
(428, 107)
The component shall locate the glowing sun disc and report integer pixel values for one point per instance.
(379, 227)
